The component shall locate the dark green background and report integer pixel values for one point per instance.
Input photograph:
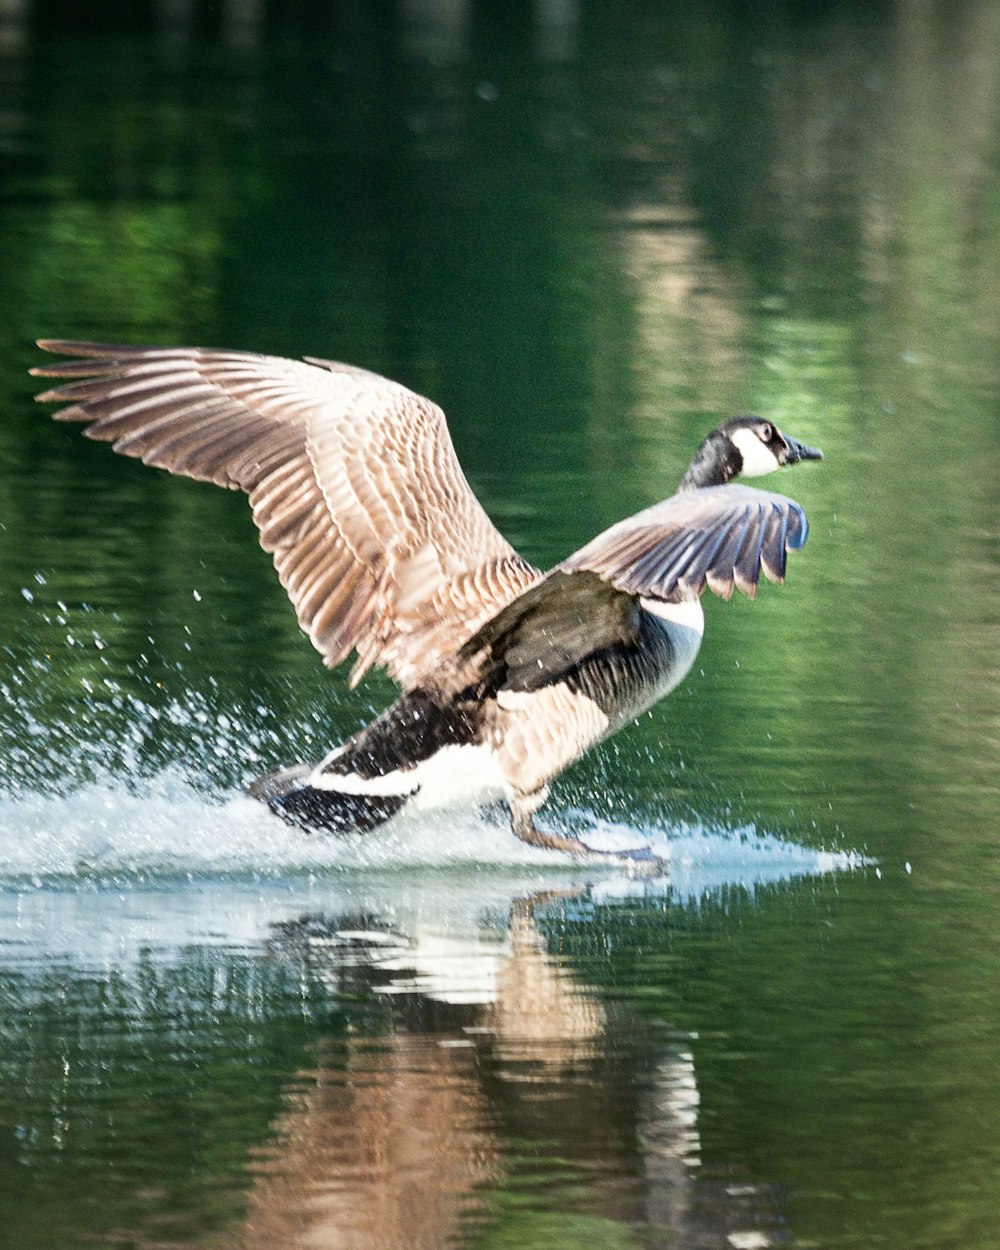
(589, 231)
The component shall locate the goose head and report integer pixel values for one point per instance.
(746, 446)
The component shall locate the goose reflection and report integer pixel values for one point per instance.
(489, 1077)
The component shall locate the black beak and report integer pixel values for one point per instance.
(799, 451)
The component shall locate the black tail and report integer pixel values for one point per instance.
(288, 794)
(416, 726)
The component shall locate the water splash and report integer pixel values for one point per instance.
(113, 874)
(165, 824)
(110, 846)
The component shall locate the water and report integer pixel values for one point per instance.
(588, 232)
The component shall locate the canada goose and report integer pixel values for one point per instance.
(508, 674)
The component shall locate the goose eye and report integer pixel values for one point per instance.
(765, 432)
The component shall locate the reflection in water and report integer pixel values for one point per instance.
(385, 1150)
(171, 982)
(500, 1078)
(13, 26)
(459, 1073)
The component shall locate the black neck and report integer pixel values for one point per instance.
(716, 461)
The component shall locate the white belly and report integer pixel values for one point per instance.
(458, 776)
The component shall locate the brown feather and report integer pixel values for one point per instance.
(351, 478)
(375, 533)
(719, 536)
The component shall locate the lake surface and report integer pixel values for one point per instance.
(589, 232)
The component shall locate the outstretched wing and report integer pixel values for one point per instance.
(353, 481)
(719, 537)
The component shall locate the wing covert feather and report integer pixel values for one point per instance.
(719, 537)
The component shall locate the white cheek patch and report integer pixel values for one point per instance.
(758, 458)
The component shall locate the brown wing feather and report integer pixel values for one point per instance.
(718, 537)
(353, 482)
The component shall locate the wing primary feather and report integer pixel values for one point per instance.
(773, 548)
(707, 554)
(746, 566)
(127, 433)
(721, 537)
(97, 388)
(729, 551)
(171, 444)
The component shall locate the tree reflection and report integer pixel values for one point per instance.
(504, 1086)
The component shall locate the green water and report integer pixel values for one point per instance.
(589, 232)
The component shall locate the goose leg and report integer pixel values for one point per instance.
(522, 819)
(522, 812)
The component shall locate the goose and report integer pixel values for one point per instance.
(508, 673)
